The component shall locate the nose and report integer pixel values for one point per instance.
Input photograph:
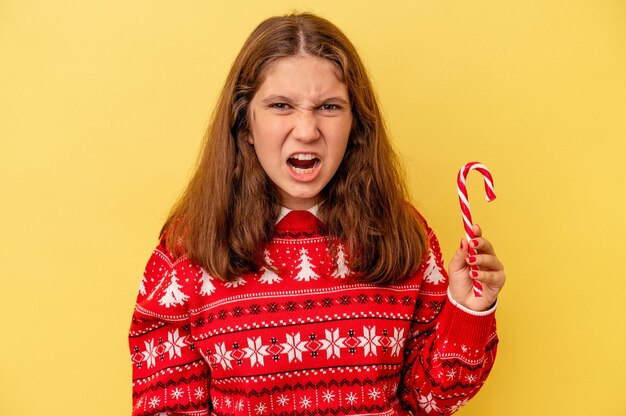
(305, 128)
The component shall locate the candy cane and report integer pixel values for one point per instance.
(465, 207)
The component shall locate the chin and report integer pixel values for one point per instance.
(302, 198)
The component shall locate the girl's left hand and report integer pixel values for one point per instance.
(491, 273)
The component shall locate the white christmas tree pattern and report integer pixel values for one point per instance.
(173, 294)
(207, 287)
(342, 264)
(142, 285)
(306, 273)
(433, 274)
(269, 277)
(239, 281)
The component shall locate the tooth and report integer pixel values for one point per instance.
(303, 156)
(300, 170)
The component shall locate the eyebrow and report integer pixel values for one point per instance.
(274, 98)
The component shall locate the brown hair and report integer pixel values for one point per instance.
(227, 213)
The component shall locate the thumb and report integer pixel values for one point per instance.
(458, 259)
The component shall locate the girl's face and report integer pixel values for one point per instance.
(300, 121)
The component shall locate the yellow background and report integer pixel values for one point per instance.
(103, 104)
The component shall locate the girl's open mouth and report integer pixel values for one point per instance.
(303, 163)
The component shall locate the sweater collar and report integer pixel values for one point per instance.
(284, 211)
(290, 221)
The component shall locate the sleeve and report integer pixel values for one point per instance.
(450, 349)
(170, 377)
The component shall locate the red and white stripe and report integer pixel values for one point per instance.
(465, 207)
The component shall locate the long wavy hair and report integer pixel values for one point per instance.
(227, 213)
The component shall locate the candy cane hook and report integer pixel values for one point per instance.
(465, 207)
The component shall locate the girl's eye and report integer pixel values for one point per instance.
(280, 106)
(329, 107)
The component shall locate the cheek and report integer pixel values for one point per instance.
(268, 131)
(342, 137)
(266, 147)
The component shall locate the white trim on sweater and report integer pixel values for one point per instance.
(471, 311)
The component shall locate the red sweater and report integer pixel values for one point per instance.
(309, 340)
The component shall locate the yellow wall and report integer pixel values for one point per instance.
(103, 103)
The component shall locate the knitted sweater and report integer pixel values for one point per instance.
(308, 340)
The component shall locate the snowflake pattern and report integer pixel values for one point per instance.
(458, 405)
(328, 396)
(174, 344)
(305, 402)
(283, 400)
(351, 398)
(428, 403)
(397, 341)
(177, 393)
(222, 356)
(451, 374)
(139, 403)
(154, 402)
(260, 409)
(256, 351)
(173, 347)
(294, 347)
(374, 394)
(150, 354)
(333, 343)
(369, 341)
(199, 393)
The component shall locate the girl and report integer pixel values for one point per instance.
(292, 277)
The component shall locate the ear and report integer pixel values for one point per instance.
(250, 139)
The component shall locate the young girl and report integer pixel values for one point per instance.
(292, 277)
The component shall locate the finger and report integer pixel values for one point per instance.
(478, 232)
(485, 262)
(482, 245)
(493, 279)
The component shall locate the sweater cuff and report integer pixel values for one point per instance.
(472, 311)
(465, 325)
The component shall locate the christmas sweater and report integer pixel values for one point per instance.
(308, 340)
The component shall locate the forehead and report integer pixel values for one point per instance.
(302, 72)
